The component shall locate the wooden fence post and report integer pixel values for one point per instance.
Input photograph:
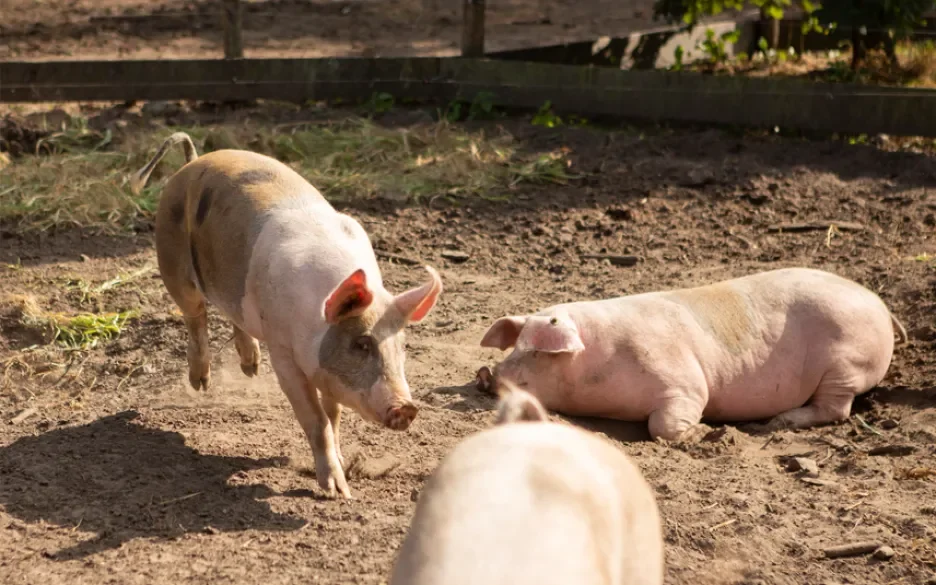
(769, 28)
(232, 16)
(472, 44)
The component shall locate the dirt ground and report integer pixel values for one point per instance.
(176, 29)
(113, 470)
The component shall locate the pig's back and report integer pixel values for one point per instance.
(533, 503)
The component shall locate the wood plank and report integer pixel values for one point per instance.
(690, 97)
(472, 44)
(641, 95)
(232, 20)
(215, 79)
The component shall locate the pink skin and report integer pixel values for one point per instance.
(335, 334)
(746, 349)
(530, 501)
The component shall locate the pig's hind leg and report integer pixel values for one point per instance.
(173, 254)
(249, 351)
(679, 419)
(830, 403)
(195, 314)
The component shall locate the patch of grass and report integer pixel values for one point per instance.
(546, 117)
(82, 331)
(82, 178)
(924, 257)
(88, 291)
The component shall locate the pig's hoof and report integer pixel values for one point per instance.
(336, 486)
(199, 382)
(777, 423)
(694, 434)
(250, 370)
(400, 417)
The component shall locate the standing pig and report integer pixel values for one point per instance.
(250, 235)
(534, 503)
(745, 349)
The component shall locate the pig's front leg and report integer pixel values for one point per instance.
(314, 420)
(678, 419)
(333, 411)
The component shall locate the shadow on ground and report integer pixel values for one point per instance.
(122, 480)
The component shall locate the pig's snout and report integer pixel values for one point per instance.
(400, 417)
(485, 380)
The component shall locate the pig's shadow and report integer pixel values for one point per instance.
(473, 399)
(916, 398)
(122, 480)
(619, 430)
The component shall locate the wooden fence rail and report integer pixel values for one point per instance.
(643, 95)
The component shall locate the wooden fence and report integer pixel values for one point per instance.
(511, 79)
(644, 95)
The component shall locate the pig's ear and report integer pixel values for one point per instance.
(351, 298)
(517, 405)
(416, 303)
(504, 332)
(554, 336)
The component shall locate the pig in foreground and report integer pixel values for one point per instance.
(248, 234)
(535, 503)
(796, 344)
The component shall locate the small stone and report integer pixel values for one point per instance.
(888, 424)
(414, 495)
(893, 450)
(456, 256)
(819, 482)
(210, 530)
(884, 553)
(85, 258)
(620, 214)
(808, 466)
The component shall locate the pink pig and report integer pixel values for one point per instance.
(794, 344)
(248, 234)
(533, 502)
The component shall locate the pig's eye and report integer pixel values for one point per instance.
(364, 344)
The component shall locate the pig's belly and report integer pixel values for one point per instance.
(761, 393)
(619, 397)
(735, 392)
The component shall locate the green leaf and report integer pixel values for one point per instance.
(731, 36)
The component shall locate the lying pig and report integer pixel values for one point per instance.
(250, 235)
(533, 503)
(751, 348)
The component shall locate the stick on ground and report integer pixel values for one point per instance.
(852, 549)
(816, 226)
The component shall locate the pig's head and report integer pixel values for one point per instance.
(362, 352)
(516, 405)
(544, 346)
